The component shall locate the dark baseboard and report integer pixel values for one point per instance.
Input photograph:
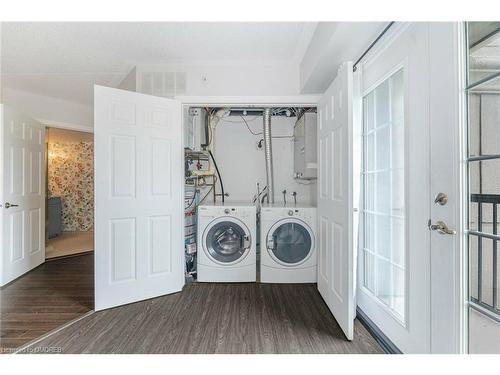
(386, 344)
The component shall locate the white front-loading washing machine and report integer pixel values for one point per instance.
(288, 244)
(227, 242)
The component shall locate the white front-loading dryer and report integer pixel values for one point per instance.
(227, 242)
(288, 244)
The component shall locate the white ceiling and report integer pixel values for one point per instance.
(64, 60)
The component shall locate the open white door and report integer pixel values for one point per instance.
(138, 197)
(22, 192)
(394, 259)
(335, 208)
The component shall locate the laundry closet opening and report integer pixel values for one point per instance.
(250, 193)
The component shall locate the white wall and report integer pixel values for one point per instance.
(51, 111)
(242, 165)
(332, 44)
(227, 78)
(203, 80)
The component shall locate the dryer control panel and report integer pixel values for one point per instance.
(304, 213)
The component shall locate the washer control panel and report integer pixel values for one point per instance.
(234, 211)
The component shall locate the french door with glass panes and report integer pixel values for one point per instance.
(394, 249)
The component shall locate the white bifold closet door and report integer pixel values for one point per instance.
(138, 197)
(22, 194)
(335, 209)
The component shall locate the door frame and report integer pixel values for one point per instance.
(55, 125)
(448, 320)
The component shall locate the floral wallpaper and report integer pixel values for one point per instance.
(71, 177)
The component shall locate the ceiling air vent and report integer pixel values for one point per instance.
(167, 84)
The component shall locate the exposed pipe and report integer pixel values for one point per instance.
(268, 150)
(223, 194)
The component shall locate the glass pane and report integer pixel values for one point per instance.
(225, 242)
(478, 31)
(370, 181)
(384, 198)
(383, 148)
(484, 175)
(383, 236)
(497, 281)
(484, 188)
(484, 39)
(487, 271)
(398, 242)
(383, 188)
(484, 123)
(369, 271)
(382, 104)
(292, 243)
(369, 113)
(369, 232)
(370, 152)
(482, 269)
(473, 269)
(384, 287)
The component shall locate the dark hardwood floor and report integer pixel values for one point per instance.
(216, 318)
(203, 318)
(44, 299)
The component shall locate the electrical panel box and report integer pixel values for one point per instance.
(195, 129)
(305, 155)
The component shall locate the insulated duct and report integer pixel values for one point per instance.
(268, 150)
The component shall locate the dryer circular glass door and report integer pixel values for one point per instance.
(227, 241)
(290, 242)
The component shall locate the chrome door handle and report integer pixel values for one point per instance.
(8, 205)
(441, 227)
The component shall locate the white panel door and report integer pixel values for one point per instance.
(335, 209)
(138, 197)
(22, 193)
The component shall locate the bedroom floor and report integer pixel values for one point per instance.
(69, 243)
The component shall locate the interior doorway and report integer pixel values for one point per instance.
(70, 193)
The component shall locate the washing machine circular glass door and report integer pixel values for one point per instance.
(290, 242)
(227, 241)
